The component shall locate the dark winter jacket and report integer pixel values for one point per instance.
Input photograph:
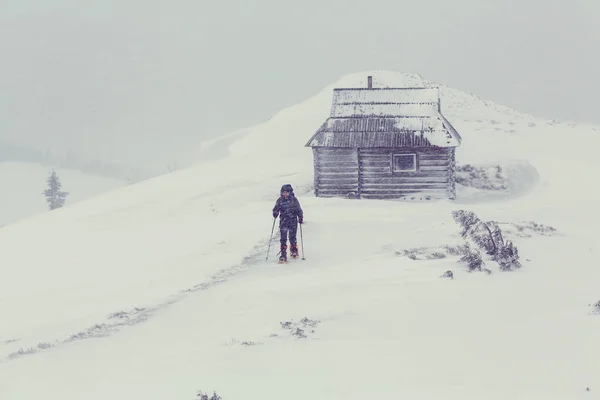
(289, 210)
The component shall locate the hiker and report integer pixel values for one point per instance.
(287, 207)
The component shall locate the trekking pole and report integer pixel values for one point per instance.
(302, 242)
(271, 238)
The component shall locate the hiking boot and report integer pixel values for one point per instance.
(294, 250)
(283, 256)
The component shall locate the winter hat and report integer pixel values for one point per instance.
(287, 188)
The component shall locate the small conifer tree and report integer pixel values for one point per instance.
(54, 196)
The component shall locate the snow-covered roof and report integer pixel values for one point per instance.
(354, 102)
(386, 117)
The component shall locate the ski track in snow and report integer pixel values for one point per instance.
(122, 319)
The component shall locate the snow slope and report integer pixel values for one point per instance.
(161, 289)
(23, 185)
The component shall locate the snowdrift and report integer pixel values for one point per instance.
(167, 279)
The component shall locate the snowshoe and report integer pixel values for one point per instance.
(283, 256)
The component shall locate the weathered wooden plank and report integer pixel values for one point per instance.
(338, 185)
(337, 195)
(333, 151)
(404, 179)
(400, 151)
(345, 193)
(338, 171)
(376, 161)
(434, 156)
(374, 152)
(426, 168)
(423, 165)
(402, 192)
(315, 171)
(405, 196)
(444, 162)
(364, 155)
(404, 175)
(339, 181)
(398, 192)
(338, 162)
(433, 159)
(407, 185)
(420, 163)
(452, 194)
(332, 195)
(428, 151)
(343, 162)
(369, 161)
(374, 170)
(381, 182)
(353, 170)
(338, 178)
(337, 156)
(333, 188)
(376, 164)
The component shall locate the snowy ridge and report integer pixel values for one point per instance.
(167, 283)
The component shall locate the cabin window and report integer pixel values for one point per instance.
(404, 162)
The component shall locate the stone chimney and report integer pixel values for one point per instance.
(370, 82)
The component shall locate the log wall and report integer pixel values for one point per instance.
(336, 172)
(369, 174)
(378, 180)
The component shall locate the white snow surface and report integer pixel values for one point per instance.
(161, 289)
(23, 184)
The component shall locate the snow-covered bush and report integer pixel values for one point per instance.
(508, 257)
(472, 257)
(478, 231)
(487, 236)
(454, 250)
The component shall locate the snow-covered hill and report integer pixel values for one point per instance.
(23, 185)
(161, 289)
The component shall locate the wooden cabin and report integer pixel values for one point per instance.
(385, 143)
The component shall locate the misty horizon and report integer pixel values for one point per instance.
(145, 84)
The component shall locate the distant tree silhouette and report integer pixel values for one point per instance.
(54, 196)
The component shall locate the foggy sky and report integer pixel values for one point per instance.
(145, 81)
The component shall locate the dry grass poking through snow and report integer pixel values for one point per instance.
(488, 177)
(204, 396)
